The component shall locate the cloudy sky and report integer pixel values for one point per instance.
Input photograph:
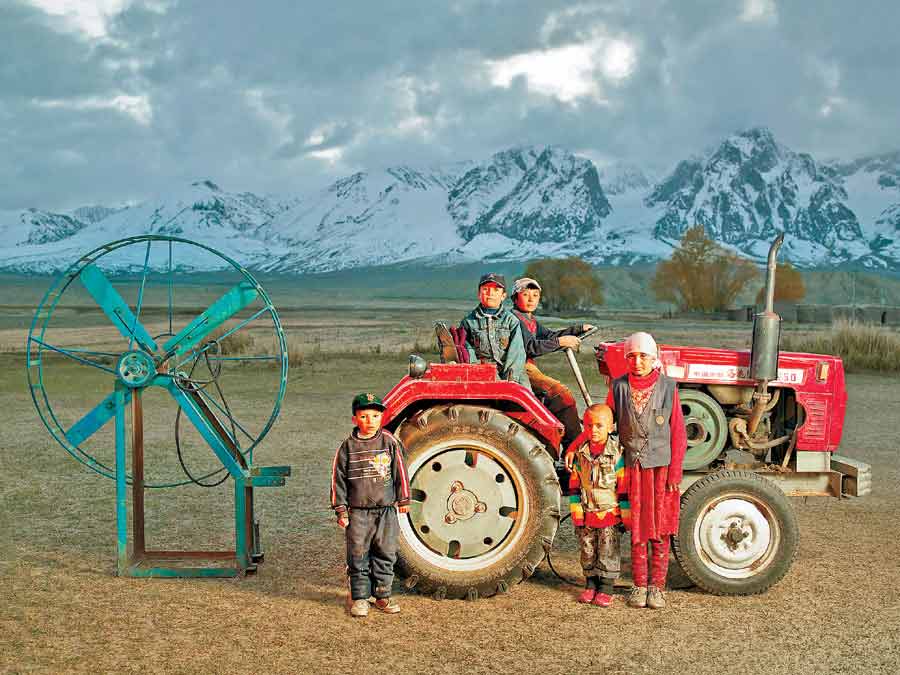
(108, 101)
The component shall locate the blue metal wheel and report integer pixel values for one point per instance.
(128, 316)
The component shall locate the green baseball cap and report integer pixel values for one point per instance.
(367, 400)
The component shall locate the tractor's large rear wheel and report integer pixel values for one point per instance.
(485, 502)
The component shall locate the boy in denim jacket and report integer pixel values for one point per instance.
(493, 333)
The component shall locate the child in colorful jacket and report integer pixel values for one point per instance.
(369, 486)
(596, 463)
(493, 334)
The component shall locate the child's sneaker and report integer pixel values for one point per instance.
(655, 598)
(638, 597)
(387, 605)
(602, 600)
(587, 597)
(359, 608)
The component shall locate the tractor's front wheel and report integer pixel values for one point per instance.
(738, 533)
(485, 502)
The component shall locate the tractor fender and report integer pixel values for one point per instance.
(458, 383)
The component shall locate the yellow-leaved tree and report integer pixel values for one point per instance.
(701, 275)
(789, 286)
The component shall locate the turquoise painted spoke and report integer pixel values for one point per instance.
(206, 429)
(96, 418)
(218, 313)
(171, 282)
(89, 352)
(140, 300)
(71, 355)
(227, 414)
(223, 336)
(112, 304)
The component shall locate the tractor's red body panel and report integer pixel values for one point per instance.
(824, 400)
(461, 383)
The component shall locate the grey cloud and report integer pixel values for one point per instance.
(236, 92)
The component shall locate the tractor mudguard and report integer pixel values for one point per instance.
(465, 383)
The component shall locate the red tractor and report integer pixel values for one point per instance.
(483, 454)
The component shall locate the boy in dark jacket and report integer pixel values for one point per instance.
(369, 486)
(540, 340)
(493, 334)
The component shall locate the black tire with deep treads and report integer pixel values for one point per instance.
(510, 442)
(764, 494)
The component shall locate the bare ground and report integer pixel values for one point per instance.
(64, 610)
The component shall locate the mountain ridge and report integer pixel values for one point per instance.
(520, 203)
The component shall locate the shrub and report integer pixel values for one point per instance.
(295, 356)
(861, 346)
(566, 283)
(238, 343)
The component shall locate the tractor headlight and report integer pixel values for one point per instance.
(417, 366)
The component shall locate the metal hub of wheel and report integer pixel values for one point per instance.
(135, 369)
(462, 504)
(736, 536)
(707, 430)
(465, 505)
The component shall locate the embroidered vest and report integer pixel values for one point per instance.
(645, 437)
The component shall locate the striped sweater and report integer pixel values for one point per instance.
(368, 473)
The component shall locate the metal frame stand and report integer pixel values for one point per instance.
(247, 553)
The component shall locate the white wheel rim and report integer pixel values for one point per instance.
(504, 531)
(737, 536)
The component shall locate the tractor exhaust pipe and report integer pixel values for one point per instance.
(766, 335)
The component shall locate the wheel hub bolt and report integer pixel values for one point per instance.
(462, 504)
(735, 535)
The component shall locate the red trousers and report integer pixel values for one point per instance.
(659, 562)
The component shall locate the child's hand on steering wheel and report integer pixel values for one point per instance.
(569, 342)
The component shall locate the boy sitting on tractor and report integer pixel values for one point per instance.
(540, 340)
(493, 334)
(369, 485)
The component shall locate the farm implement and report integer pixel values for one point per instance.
(181, 355)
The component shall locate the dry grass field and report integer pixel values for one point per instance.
(62, 609)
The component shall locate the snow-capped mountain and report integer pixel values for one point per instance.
(750, 187)
(93, 214)
(365, 219)
(201, 212)
(517, 204)
(556, 198)
(34, 227)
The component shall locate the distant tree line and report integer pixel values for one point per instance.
(700, 276)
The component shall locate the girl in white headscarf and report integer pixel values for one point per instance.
(652, 433)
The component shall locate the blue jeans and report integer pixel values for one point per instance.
(372, 551)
